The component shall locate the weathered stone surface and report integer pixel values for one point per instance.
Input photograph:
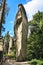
(21, 31)
(1, 44)
(10, 45)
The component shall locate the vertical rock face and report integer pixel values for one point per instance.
(1, 44)
(6, 43)
(1, 49)
(21, 31)
(10, 45)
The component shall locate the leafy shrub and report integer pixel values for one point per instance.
(10, 56)
(36, 62)
(35, 40)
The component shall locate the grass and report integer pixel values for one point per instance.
(36, 62)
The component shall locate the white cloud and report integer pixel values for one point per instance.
(32, 7)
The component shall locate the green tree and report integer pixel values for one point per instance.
(3, 11)
(35, 41)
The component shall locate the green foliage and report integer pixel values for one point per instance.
(11, 56)
(36, 62)
(35, 41)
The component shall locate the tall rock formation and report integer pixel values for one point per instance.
(1, 44)
(10, 45)
(21, 31)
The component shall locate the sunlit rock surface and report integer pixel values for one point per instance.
(10, 45)
(21, 31)
(1, 44)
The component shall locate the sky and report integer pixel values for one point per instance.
(31, 7)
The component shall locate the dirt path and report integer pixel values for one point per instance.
(21, 63)
(12, 62)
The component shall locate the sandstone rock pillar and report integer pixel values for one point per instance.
(10, 45)
(21, 31)
(1, 44)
